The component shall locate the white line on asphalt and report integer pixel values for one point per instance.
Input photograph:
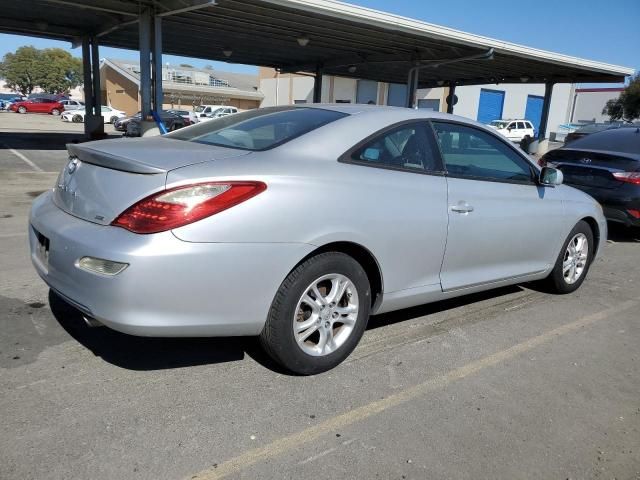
(279, 446)
(23, 158)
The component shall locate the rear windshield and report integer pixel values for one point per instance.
(259, 129)
(624, 140)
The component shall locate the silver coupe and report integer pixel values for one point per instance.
(297, 223)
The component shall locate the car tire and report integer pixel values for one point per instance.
(561, 280)
(77, 118)
(343, 319)
(22, 109)
(113, 120)
(55, 112)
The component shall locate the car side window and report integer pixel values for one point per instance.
(521, 125)
(529, 125)
(469, 152)
(407, 147)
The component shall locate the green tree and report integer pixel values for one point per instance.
(20, 70)
(53, 69)
(627, 106)
(60, 71)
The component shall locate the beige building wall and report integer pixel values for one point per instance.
(120, 92)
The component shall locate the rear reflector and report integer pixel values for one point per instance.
(101, 266)
(180, 206)
(628, 177)
(634, 213)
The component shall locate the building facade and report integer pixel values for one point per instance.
(183, 87)
(588, 104)
(479, 102)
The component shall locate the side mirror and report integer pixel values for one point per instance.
(551, 176)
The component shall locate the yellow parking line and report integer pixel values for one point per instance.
(295, 440)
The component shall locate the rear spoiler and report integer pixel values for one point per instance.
(107, 160)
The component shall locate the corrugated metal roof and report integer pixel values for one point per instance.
(345, 39)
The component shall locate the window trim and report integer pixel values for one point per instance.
(346, 157)
(532, 169)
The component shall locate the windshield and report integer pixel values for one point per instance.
(200, 108)
(499, 124)
(258, 129)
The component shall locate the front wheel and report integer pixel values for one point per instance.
(77, 118)
(113, 120)
(574, 260)
(22, 110)
(318, 314)
(55, 112)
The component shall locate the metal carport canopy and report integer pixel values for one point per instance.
(343, 39)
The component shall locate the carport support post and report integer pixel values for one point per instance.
(87, 82)
(317, 85)
(95, 70)
(157, 64)
(451, 96)
(145, 63)
(411, 93)
(546, 105)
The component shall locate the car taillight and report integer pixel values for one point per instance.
(542, 162)
(634, 213)
(628, 177)
(183, 205)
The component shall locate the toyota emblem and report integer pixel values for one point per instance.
(72, 165)
(585, 160)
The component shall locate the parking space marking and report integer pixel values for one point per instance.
(23, 158)
(341, 421)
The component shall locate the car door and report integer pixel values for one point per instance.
(37, 105)
(502, 224)
(407, 201)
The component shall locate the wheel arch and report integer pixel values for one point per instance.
(595, 229)
(364, 257)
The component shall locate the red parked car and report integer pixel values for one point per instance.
(38, 105)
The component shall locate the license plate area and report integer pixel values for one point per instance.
(42, 248)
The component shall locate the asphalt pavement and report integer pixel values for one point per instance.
(509, 384)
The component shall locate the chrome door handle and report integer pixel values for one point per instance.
(462, 207)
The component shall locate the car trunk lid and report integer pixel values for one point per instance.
(590, 168)
(104, 178)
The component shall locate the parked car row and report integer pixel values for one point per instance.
(110, 115)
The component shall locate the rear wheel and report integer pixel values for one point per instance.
(22, 109)
(55, 112)
(113, 119)
(318, 314)
(573, 261)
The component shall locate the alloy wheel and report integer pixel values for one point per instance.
(325, 315)
(575, 258)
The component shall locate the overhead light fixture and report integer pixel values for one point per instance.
(525, 78)
(303, 41)
(227, 52)
(352, 69)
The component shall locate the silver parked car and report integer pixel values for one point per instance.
(297, 223)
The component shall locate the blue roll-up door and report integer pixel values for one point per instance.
(367, 91)
(533, 112)
(490, 107)
(397, 95)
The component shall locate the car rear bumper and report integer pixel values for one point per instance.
(616, 202)
(621, 215)
(171, 287)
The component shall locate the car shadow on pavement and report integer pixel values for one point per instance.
(619, 233)
(384, 319)
(146, 353)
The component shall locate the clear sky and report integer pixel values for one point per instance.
(602, 30)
